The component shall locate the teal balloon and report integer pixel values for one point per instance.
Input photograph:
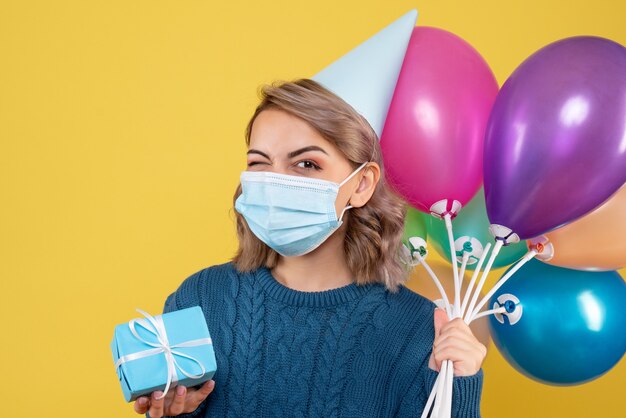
(472, 221)
(572, 327)
(414, 225)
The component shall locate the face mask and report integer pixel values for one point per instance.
(291, 214)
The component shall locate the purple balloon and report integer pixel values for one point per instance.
(555, 146)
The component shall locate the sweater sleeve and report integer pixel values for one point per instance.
(466, 393)
(185, 293)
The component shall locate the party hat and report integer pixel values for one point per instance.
(366, 76)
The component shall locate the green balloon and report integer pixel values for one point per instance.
(472, 221)
(414, 225)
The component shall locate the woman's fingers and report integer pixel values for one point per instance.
(441, 319)
(456, 335)
(456, 329)
(464, 346)
(178, 404)
(156, 405)
(467, 358)
(141, 405)
(456, 342)
(466, 363)
(433, 363)
(457, 324)
(199, 395)
(184, 400)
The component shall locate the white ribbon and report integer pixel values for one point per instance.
(163, 346)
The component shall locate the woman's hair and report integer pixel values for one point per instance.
(374, 231)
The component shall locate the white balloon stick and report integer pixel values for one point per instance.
(466, 257)
(455, 271)
(483, 277)
(437, 283)
(529, 255)
(501, 309)
(447, 401)
(431, 398)
(440, 389)
(448, 373)
(470, 286)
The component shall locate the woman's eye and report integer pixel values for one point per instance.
(307, 164)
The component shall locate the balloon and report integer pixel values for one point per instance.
(420, 282)
(471, 223)
(432, 142)
(555, 146)
(414, 225)
(596, 241)
(571, 328)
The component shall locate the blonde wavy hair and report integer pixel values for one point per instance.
(373, 238)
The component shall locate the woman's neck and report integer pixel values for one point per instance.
(324, 268)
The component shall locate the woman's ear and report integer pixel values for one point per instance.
(367, 185)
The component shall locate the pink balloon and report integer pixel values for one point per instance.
(432, 142)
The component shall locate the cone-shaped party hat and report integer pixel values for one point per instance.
(366, 76)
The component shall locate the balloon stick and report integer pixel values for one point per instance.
(529, 255)
(447, 401)
(440, 389)
(463, 265)
(437, 283)
(431, 397)
(457, 285)
(481, 282)
(470, 286)
(448, 374)
(501, 309)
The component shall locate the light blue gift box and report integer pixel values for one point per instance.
(175, 343)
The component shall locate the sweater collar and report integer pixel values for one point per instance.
(323, 298)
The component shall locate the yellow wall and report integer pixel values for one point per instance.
(121, 135)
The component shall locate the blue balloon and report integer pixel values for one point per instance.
(562, 327)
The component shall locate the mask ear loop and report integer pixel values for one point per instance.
(344, 182)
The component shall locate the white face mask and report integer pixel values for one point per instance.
(291, 214)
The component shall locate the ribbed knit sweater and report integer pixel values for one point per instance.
(354, 351)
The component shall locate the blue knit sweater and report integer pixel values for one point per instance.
(354, 351)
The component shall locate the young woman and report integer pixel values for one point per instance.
(311, 318)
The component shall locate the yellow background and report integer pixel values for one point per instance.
(121, 132)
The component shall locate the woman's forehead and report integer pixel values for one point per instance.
(280, 133)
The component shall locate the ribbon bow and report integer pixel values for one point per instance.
(163, 346)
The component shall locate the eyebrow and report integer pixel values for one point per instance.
(292, 153)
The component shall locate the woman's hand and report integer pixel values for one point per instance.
(177, 401)
(454, 341)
